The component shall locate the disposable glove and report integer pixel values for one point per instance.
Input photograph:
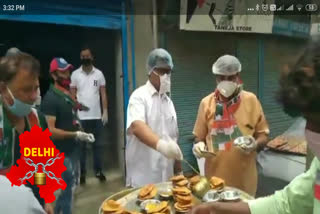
(170, 149)
(199, 150)
(86, 137)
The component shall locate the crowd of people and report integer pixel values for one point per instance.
(73, 116)
(72, 112)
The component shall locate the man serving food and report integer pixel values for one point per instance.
(152, 130)
(227, 114)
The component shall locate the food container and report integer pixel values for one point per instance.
(201, 188)
(247, 143)
(165, 193)
(230, 195)
(140, 201)
(211, 196)
(144, 205)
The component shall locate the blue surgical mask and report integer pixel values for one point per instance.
(19, 108)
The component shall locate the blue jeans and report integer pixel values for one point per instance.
(95, 127)
(64, 202)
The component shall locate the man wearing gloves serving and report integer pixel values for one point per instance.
(61, 114)
(224, 115)
(152, 130)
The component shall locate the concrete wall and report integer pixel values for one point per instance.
(119, 116)
(143, 38)
(143, 45)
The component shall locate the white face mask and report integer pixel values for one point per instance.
(165, 83)
(227, 88)
(313, 140)
(38, 100)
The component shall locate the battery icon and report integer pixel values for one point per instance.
(311, 7)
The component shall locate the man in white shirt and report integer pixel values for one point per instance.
(17, 199)
(152, 130)
(87, 86)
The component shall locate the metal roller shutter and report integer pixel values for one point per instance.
(279, 51)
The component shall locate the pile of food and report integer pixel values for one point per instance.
(176, 198)
(147, 192)
(194, 180)
(113, 207)
(217, 183)
(179, 181)
(183, 198)
(289, 145)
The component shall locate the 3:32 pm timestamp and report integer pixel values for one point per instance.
(13, 7)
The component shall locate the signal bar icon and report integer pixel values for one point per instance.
(290, 8)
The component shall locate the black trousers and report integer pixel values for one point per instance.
(95, 127)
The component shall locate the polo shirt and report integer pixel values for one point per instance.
(88, 91)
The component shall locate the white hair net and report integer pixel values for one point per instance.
(226, 65)
(13, 51)
(159, 58)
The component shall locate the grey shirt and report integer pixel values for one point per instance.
(17, 199)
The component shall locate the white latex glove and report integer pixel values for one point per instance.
(86, 137)
(104, 118)
(198, 148)
(170, 149)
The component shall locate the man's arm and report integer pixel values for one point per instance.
(177, 167)
(296, 198)
(104, 99)
(200, 129)
(73, 91)
(221, 208)
(261, 140)
(136, 125)
(261, 128)
(73, 86)
(144, 133)
(58, 134)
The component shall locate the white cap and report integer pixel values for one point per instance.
(159, 58)
(226, 65)
(13, 51)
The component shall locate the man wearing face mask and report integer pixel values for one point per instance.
(19, 73)
(88, 85)
(61, 114)
(152, 130)
(300, 94)
(224, 115)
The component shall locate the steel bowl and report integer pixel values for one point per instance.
(245, 142)
(144, 204)
(211, 196)
(165, 193)
(230, 195)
